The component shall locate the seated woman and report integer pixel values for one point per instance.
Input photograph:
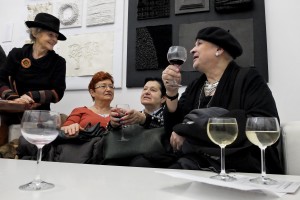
(101, 88)
(153, 100)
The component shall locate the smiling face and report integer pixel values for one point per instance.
(204, 55)
(151, 96)
(45, 39)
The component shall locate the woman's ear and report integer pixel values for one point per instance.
(92, 92)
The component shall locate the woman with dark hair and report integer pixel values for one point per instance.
(101, 89)
(153, 100)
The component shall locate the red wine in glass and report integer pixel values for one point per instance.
(176, 56)
(176, 62)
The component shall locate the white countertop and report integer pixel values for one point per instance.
(84, 181)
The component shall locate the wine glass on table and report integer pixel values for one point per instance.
(222, 131)
(39, 127)
(263, 132)
(122, 110)
(176, 56)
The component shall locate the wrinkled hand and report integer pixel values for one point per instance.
(130, 117)
(114, 117)
(133, 117)
(72, 130)
(176, 141)
(170, 74)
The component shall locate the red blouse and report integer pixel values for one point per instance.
(83, 116)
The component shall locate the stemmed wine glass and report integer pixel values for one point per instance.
(222, 131)
(263, 132)
(176, 56)
(122, 109)
(39, 127)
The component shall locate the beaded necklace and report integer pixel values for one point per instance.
(209, 90)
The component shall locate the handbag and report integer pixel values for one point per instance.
(82, 148)
(141, 141)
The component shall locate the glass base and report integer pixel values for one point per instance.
(36, 185)
(263, 181)
(224, 177)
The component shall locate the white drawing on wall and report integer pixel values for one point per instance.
(69, 13)
(87, 54)
(100, 12)
(37, 8)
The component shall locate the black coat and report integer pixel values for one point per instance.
(43, 80)
(255, 99)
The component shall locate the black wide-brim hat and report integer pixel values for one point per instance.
(47, 22)
(222, 38)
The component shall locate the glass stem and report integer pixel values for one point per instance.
(263, 163)
(38, 159)
(223, 172)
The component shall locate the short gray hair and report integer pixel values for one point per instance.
(32, 31)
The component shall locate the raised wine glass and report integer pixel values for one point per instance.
(263, 132)
(222, 131)
(176, 56)
(122, 109)
(39, 127)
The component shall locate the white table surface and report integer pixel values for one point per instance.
(83, 181)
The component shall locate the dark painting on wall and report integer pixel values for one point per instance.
(151, 43)
(150, 9)
(188, 6)
(248, 25)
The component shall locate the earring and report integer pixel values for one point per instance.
(217, 54)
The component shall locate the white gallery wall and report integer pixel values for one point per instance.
(283, 41)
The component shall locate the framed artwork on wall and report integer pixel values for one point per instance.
(149, 39)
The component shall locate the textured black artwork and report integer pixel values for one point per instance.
(189, 6)
(150, 9)
(147, 50)
(151, 43)
(230, 6)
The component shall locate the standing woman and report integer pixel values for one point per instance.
(34, 74)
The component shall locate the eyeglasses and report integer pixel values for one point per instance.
(105, 86)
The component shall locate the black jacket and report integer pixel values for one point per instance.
(255, 99)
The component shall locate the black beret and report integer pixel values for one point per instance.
(221, 38)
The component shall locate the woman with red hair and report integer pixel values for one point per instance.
(101, 89)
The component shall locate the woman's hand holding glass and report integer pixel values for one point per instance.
(122, 110)
(263, 132)
(176, 56)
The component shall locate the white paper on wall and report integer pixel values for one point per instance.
(38, 8)
(7, 31)
(100, 12)
(69, 13)
(87, 54)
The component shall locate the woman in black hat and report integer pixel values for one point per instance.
(34, 74)
(222, 89)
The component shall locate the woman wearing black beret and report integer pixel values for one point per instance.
(222, 89)
(34, 74)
